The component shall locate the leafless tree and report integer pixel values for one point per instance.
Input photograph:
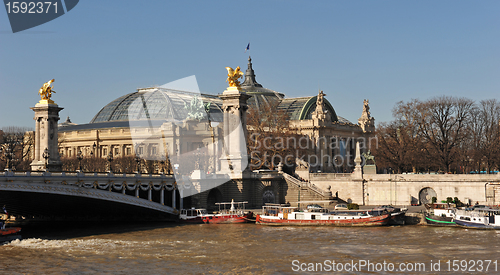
(483, 135)
(442, 122)
(270, 138)
(17, 147)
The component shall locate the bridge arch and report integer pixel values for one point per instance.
(214, 196)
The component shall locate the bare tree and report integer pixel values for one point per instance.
(270, 139)
(484, 138)
(442, 122)
(17, 147)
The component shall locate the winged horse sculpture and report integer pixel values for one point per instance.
(233, 75)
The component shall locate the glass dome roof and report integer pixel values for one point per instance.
(156, 104)
(159, 103)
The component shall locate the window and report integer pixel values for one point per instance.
(117, 151)
(128, 151)
(104, 151)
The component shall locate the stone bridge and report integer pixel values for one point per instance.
(89, 196)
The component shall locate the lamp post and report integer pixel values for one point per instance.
(79, 156)
(138, 161)
(162, 163)
(8, 156)
(110, 160)
(46, 156)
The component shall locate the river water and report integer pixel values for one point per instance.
(251, 249)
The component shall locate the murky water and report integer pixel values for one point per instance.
(252, 249)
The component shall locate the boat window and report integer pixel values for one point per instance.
(299, 216)
(313, 217)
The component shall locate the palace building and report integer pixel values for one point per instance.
(157, 122)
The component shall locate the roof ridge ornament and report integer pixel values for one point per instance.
(366, 122)
(320, 112)
(250, 76)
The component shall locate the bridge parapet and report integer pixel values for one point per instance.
(78, 177)
(95, 185)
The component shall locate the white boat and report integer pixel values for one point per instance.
(440, 214)
(193, 215)
(478, 218)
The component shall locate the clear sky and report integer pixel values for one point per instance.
(384, 51)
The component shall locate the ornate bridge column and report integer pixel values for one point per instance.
(46, 117)
(234, 105)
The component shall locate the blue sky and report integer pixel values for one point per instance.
(384, 51)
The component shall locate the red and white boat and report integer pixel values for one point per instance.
(230, 212)
(281, 215)
(9, 233)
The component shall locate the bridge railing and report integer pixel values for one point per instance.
(9, 173)
(307, 184)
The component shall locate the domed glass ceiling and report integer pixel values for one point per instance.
(156, 104)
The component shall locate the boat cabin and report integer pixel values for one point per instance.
(192, 213)
(489, 218)
(232, 208)
(443, 209)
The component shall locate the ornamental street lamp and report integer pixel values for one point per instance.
(162, 163)
(79, 156)
(46, 155)
(110, 160)
(138, 161)
(8, 156)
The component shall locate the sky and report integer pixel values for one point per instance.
(383, 51)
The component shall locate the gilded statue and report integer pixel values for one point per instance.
(46, 91)
(233, 75)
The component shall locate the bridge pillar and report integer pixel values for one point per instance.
(46, 147)
(234, 104)
(173, 198)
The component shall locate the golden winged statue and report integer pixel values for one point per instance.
(46, 91)
(233, 75)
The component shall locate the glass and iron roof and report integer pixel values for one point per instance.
(156, 104)
(162, 104)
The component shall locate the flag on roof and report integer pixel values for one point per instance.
(248, 47)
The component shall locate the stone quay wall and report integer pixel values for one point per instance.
(406, 189)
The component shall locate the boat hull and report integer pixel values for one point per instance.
(9, 234)
(369, 221)
(9, 231)
(397, 218)
(439, 221)
(474, 225)
(228, 218)
(196, 220)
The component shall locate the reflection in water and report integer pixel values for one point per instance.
(241, 248)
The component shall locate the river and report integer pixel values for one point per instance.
(251, 249)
